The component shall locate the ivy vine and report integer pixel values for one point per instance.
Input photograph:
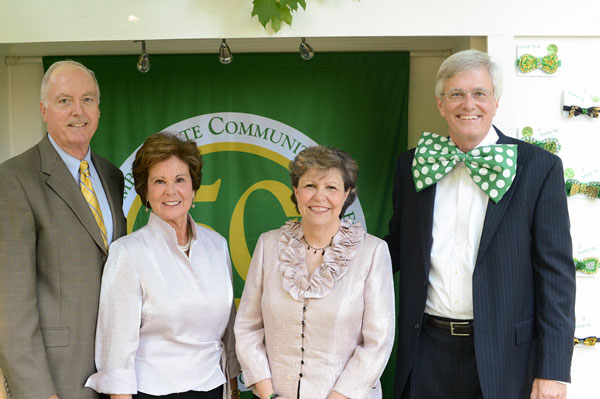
(276, 11)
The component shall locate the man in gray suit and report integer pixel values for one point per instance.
(52, 249)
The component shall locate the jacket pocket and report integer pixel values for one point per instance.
(525, 332)
(56, 336)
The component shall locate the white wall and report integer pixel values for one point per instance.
(423, 115)
(537, 102)
(24, 120)
(5, 150)
(66, 20)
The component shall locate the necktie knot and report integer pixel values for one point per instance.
(492, 167)
(84, 168)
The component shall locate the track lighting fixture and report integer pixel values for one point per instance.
(225, 56)
(306, 51)
(143, 64)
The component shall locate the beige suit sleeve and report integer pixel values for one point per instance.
(369, 359)
(233, 366)
(22, 352)
(249, 328)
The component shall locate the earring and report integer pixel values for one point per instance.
(146, 206)
(193, 205)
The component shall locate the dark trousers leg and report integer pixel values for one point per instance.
(216, 393)
(444, 367)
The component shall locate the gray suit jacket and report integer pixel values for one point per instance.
(51, 261)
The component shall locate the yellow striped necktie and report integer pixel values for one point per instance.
(85, 183)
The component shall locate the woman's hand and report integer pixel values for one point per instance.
(336, 395)
(264, 388)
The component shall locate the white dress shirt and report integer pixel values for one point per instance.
(162, 314)
(458, 216)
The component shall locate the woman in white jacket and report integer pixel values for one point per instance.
(166, 305)
(316, 319)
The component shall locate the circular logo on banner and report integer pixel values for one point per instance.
(245, 187)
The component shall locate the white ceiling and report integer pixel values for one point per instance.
(416, 44)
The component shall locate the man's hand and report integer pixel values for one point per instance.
(548, 389)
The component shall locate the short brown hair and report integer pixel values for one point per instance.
(320, 157)
(160, 147)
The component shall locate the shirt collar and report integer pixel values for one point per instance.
(490, 138)
(167, 231)
(69, 160)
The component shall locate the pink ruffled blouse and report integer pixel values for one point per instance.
(331, 331)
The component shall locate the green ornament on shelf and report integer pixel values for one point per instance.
(569, 173)
(527, 131)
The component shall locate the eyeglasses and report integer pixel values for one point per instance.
(588, 341)
(478, 95)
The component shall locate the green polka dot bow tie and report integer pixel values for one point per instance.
(491, 167)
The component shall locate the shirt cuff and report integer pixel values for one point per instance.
(115, 382)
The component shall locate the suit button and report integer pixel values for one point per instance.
(103, 258)
(417, 326)
(424, 283)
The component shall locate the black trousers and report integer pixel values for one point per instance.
(444, 367)
(216, 393)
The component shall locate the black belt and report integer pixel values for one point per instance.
(459, 328)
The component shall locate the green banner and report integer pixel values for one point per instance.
(249, 118)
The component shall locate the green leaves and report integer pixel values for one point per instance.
(276, 11)
(293, 4)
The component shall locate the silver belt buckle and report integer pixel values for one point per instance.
(458, 323)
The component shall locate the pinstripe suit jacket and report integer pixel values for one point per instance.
(523, 281)
(51, 260)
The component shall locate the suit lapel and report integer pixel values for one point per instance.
(112, 195)
(495, 212)
(424, 208)
(62, 182)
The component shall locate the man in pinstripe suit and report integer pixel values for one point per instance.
(487, 288)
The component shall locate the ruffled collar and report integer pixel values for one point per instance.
(335, 260)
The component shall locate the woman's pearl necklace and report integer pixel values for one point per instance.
(185, 247)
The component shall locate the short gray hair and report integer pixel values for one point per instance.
(53, 68)
(465, 61)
